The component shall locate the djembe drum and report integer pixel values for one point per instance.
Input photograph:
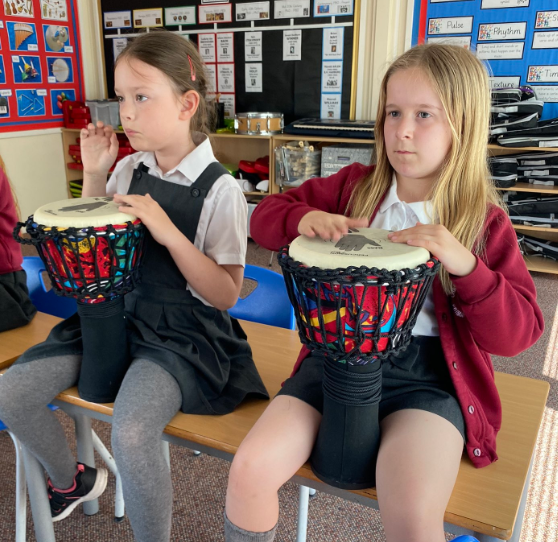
(92, 252)
(356, 302)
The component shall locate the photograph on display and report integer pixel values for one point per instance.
(30, 103)
(22, 36)
(18, 8)
(57, 38)
(181, 15)
(54, 9)
(27, 69)
(4, 107)
(60, 69)
(58, 97)
(2, 71)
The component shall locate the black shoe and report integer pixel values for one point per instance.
(88, 484)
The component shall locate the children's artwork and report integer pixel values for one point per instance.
(30, 103)
(54, 9)
(56, 38)
(58, 97)
(60, 70)
(2, 71)
(18, 8)
(27, 69)
(22, 36)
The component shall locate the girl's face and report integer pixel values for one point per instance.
(416, 130)
(150, 111)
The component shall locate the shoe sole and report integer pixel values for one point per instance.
(98, 489)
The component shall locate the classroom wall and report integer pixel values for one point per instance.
(35, 160)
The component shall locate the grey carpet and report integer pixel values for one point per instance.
(200, 482)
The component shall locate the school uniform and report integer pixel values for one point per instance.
(169, 323)
(493, 310)
(16, 309)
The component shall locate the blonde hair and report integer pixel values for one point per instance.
(3, 168)
(463, 189)
(180, 61)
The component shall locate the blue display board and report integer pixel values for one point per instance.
(518, 39)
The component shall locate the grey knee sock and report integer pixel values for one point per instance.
(25, 390)
(236, 534)
(148, 398)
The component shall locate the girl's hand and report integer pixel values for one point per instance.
(457, 259)
(99, 148)
(151, 214)
(328, 226)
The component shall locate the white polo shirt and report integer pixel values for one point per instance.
(396, 215)
(222, 229)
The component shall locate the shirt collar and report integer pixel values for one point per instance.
(422, 209)
(191, 166)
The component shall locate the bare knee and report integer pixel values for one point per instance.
(251, 470)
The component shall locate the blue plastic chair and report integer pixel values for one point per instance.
(268, 303)
(45, 300)
(465, 538)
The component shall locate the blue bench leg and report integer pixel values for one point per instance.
(38, 498)
(86, 454)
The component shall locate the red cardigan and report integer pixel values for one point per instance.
(10, 251)
(493, 310)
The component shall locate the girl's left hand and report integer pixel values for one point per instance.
(151, 214)
(457, 259)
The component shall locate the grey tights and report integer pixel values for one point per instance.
(236, 534)
(148, 399)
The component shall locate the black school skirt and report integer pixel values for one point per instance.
(416, 378)
(16, 309)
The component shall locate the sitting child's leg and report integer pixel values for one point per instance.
(277, 446)
(417, 467)
(148, 399)
(25, 391)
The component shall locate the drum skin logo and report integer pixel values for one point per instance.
(354, 243)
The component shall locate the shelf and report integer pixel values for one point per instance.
(528, 187)
(321, 139)
(535, 228)
(541, 265)
(519, 150)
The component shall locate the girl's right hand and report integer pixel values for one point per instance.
(99, 148)
(328, 226)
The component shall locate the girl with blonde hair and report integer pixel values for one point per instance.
(431, 188)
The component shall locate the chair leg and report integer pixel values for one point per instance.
(271, 259)
(40, 508)
(85, 453)
(302, 525)
(21, 493)
(111, 464)
(166, 452)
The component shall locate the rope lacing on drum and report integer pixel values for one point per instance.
(124, 243)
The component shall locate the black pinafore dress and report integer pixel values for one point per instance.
(202, 347)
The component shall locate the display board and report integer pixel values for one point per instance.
(289, 56)
(40, 64)
(517, 38)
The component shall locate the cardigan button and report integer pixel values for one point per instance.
(477, 452)
(471, 409)
(137, 174)
(454, 364)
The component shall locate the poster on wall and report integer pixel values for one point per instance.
(518, 40)
(40, 64)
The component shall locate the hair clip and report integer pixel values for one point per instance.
(192, 70)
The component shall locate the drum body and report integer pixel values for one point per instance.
(95, 264)
(354, 317)
(258, 123)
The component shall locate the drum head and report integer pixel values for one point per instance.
(368, 247)
(81, 213)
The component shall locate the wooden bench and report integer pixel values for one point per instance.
(488, 503)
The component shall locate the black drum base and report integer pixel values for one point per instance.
(346, 449)
(105, 350)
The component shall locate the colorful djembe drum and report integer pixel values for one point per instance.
(356, 302)
(92, 252)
